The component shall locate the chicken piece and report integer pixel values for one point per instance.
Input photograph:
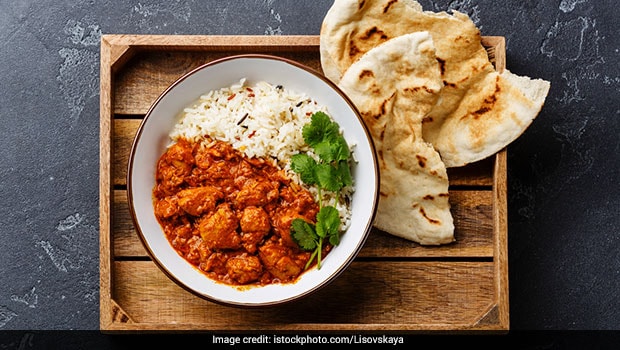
(251, 240)
(199, 200)
(194, 250)
(278, 260)
(254, 219)
(217, 159)
(282, 222)
(174, 165)
(242, 172)
(203, 158)
(257, 193)
(215, 263)
(300, 200)
(167, 207)
(295, 204)
(219, 229)
(218, 170)
(244, 268)
(254, 226)
(217, 150)
(179, 236)
(218, 176)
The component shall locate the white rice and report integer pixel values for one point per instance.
(262, 120)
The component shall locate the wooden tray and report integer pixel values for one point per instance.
(394, 284)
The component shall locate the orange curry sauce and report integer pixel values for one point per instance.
(230, 215)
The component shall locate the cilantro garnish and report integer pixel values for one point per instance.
(330, 173)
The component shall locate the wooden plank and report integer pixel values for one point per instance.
(500, 224)
(388, 294)
(496, 49)
(126, 240)
(105, 181)
(225, 43)
(147, 75)
(124, 133)
(479, 173)
(472, 212)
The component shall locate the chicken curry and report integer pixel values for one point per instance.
(230, 215)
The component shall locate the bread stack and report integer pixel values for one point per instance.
(431, 98)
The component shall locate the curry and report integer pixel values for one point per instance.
(230, 215)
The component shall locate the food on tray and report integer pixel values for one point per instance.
(478, 111)
(251, 175)
(394, 86)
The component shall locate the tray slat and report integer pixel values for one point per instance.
(429, 302)
(398, 284)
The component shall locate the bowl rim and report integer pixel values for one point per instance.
(367, 227)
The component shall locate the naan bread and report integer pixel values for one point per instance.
(496, 112)
(352, 28)
(394, 86)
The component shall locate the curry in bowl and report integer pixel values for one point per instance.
(230, 213)
(253, 183)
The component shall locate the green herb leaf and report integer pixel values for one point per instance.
(327, 222)
(327, 177)
(341, 149)
(313, 132)
(321, 128)
(334, 239)
(344, 173)
(305, 166)
(326, 151)
(304, 234)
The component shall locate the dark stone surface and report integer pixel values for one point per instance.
(564, 197)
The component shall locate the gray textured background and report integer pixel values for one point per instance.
(564, 197)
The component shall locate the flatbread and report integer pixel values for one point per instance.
(499, 108)
(394, 86)
(350, 28)
(455, 125)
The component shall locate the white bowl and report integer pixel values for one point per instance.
(152, 138)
